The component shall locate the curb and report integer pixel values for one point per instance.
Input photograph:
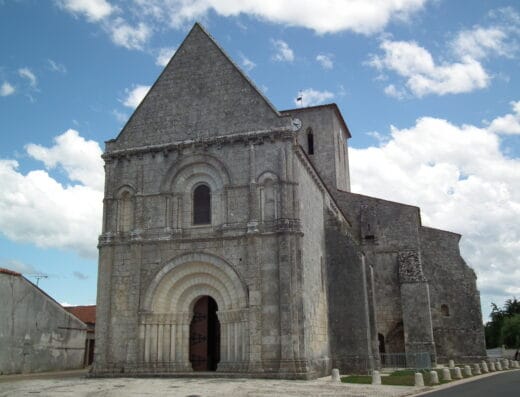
(432, 389)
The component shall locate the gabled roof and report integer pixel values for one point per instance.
(10, 272)
(87, 314)
(201, 93)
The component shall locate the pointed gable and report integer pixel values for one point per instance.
(201, 93)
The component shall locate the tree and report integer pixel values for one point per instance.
(510, 333)
(499, 317)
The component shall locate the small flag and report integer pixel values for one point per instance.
(299, 98)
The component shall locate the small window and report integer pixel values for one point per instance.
(310, 142)
(445, 310)
(202, 205)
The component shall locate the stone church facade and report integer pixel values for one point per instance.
(231, 242)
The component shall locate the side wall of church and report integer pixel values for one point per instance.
(455, 300)
(350, 330)
(311, 209)
(388, 233)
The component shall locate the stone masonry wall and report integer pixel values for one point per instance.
(458, 330)
(314, 278)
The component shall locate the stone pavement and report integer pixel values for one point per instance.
(78, 385)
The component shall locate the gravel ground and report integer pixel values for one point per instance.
(76, 384)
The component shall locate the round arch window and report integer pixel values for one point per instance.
(202, 205)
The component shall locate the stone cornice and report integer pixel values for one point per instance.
(251, 137)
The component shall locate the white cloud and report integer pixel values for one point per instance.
(480, 42)
(164, 56)
(312, 97)
(461, 69)
(475, 191)
(38, 209)
(128, 36)
(247, 63)
(28, 75)
(423, 76)
(135, 95)
(325, 16)
(283, 53)
(508, 124)
(93, 10)
(6, 89)
(56, 67)
(79, 158)
(325, 61)
(392, 91)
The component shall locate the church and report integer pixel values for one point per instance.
(231, 242)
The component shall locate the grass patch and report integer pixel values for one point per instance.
(359, 379)
(396, 378)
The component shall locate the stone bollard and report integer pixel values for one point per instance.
(457, 374)
(434, 377)
(446, 375)
(498, 366)
(505, 363)
(335, 375)
(484, 367)
(476, 369)
(511, 364)
(451, 364)
(516, 364)
(376, 378)
(492, 366)
(467, 371)
(419, 380)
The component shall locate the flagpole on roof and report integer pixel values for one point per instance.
(299, 98)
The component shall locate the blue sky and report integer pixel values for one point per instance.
(429, 89)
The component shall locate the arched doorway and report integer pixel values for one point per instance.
(205, 335)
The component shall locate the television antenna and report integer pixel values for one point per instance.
(38, 276)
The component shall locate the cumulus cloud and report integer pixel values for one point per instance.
(125, 35)
(6, 89)
(325, 61)
(460, 71)
(93, 10)
(135, 95)
(508, 124)
(38, 209)
(480, 42)
(475, 192)
(312, 97)
(28, 75)
(283, 53)
(164, 56)
(326, 16)
(68, 149)
(122, 33)
(423, 76)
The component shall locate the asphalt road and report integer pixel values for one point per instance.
(505, 384)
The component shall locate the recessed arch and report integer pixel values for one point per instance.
(195, 164)
(187, 269)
